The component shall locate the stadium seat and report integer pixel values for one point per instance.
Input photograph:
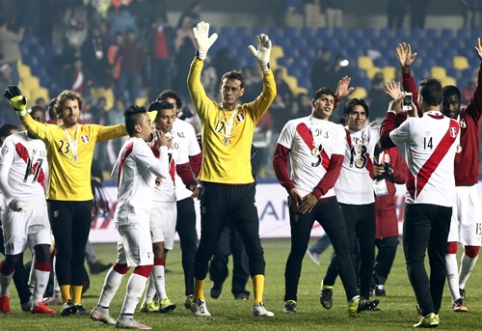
(386, 33)
(388, 73)
(431, 33)
(447, 33)
(417, 33)
(372, 71)
(355, 33)
(463, 34)
(359, 92)
(276, 52)
(23, 70)
(31, 82)
(291, 81)
(39, 92)
(438, 72)
(448, 81)
(460, 63)
(364, 62)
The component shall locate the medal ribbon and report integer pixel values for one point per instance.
(72, 144)
(229, 125)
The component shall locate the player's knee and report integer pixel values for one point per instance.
(42, 253)
(121, 268)
(143, 270)
(451, 248)
(472, 251)
(158, 249)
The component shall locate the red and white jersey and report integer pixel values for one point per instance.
(187, 145)
(137, 169)
(355, 184)
(312, 143)
(430, 147)
(23, 169)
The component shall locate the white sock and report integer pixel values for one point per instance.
(112, 282)
(452, 275)
(41, 282)
(135, 288)
(5, 281)
(151, 289)
(466, 266)
(160, 281)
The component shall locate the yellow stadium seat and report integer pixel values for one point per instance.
(364, 62)
(360, 93)
(23, 70)
(448, 81)
(292, 82)
(108, 94)
(372, 71)
(300, 90)
(140, 101)
(388, 73)
(31, 82)
(276, 52)
(461, 63)
(39, 92)
(438, 72)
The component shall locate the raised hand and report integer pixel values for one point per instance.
(202, 39)
(405, 56)
(343, 89)
(396, 104)
(263, 52)
(478, 48)
(393, 89)
(17, 100)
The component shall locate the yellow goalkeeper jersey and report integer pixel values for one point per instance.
(227, 161)
(69, 178)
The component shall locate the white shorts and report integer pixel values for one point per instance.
(27, 228)
(162, 220)
(135, 246)
(466, 223)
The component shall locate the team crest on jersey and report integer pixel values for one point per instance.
(240, 117)
(462, 123)
(453, 132)
(4, 150)
(85, 138)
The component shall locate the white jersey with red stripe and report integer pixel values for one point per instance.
(137, 169)
(430, 147)
(187, 146)
(355, 184)
(23, 169)
(311, 142)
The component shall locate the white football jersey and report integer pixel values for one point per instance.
(137, 169)
(311, 142)
(23, 169)
(430, 146)
(355, 184)
(188, 146)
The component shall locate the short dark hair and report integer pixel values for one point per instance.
(350, 104)
(234, 74)
(431, 91)
(450, 90)
(36, 108)
(6, 129)
(67, 95)
(323, 90)
(132, 118)
(170, 94)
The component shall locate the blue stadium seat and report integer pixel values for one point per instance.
(243, 32)
(452, 72)
(401, 34)
(339, 33)
(227, 32)
(381, 62)
(447, 33)
(431, 33)
(363, 43)
(258, 30)
(464, 34)
(355, 33)
(370, 33)
(417, 33)
(386, 33)
(275, 32)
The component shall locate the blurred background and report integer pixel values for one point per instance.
(120, 52)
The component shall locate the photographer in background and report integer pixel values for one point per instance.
(389, 169)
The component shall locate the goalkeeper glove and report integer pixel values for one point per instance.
(17, 100)
(263, 53)
(203, 42)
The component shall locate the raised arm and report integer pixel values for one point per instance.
(474, 107)
(406, 58)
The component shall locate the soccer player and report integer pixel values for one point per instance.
(137, 169)
(466, 224)
(185, 191)
(315, 147)
(430, 146)
(70, 150)
(23, 169)
(228, 185)
(354, 191)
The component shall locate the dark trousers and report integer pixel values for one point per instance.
(229, 243)
(328, 214)
(426, 227)
(387, 249)
(220, 203)
(20, 277)
(70, 222)
(186, 229)
(360, 229)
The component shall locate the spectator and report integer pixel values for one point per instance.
(224, 61)
(379, 98)
(75, 21)
(418, 13)
(312, 13)
(185, 48)
(114, 58)
(9, 41)
(283, 88)
(396, 13)
(123, 22)
(94, 56)
(193, 13)
(471, 13)
(334, 13)
(292, 17)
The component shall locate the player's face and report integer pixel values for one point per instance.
(173, 102)
(357, 118)
(39, 116)
(145, 127)
(323, 106)
(231, 91)
(2, 138)
(70, 112)
(165, 119)
(451, 106)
